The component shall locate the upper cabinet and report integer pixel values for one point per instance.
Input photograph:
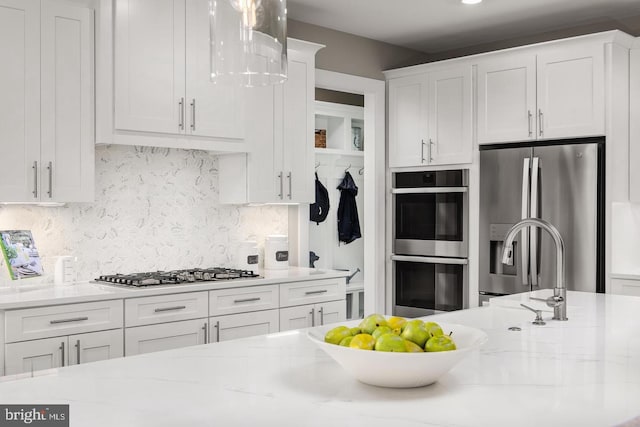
(553, 91)
(430, 117)
(279, 132)
(46, 117)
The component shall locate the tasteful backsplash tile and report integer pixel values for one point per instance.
(155, 209)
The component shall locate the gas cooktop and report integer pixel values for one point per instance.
(176, 277)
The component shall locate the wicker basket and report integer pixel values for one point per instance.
(321, 138)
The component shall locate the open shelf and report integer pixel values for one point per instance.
(338, 152)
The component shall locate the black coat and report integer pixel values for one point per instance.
(348, 222)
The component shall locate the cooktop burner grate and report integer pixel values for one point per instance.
(176, 277)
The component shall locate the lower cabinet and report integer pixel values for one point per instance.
(29, 356)
(305, 316)
(165, 336)
(234, 326)
(625, 287)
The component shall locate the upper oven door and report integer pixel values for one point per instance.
(431, 221)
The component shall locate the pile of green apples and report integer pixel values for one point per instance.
(395, 334)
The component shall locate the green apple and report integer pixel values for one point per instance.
(346, 341)
(440, 343)
(381, 330)
(363, 342)
(355, 331)
(371, 322)
(415, 333)
(417, 322)
(396, 322)
(433, 328)
(337, 334)
(390, 342)
(412, 347)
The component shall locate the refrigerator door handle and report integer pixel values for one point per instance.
(524, 234)
(535, 213)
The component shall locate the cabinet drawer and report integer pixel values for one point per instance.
(243, 325)
(165, 308)
(231, 301)
(152, 338)
(625, 287)
(45, 322)
(299, 293)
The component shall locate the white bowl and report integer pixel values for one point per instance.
(401, 370)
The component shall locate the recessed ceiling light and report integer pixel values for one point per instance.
(471, 1)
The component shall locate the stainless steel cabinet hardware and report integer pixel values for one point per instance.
(316, 292)
(73, 319)
(193, 114)
(529, 122)
(177, 307)
(35, 179)
(541, 122)
(289, 178)
(217, 326)
(62, 353)
(431, 144)
(78, 352)
(313, 316)
(50, 169)
(205, 328)
(321, 316)
(181, 113)
(246, 300)
(422, 150)
(281, 185)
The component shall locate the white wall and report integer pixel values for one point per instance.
(155, 209)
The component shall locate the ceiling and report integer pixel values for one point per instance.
(433, 26)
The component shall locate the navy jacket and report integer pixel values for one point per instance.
(348, 222)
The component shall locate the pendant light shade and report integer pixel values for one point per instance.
(248, 41)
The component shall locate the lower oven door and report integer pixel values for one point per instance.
(428, 285)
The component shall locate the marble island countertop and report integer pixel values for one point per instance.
(583, 372)
(23, 295)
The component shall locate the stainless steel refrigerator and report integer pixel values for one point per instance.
(561, 182)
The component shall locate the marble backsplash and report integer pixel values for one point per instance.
(154, 209)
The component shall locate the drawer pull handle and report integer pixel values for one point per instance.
(177, 307)
(246, 300)
(74, 319)
(316, 292)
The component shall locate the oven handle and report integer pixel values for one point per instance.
(429, 259)
(427, 190)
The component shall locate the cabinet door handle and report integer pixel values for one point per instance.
(217, 326)
(422, 150)
(73, 319)
(181, 113)
(206, 332)
(541, 122)
(431, 143)
(321, 316)
(529, 122)
(78, 352)
(322, 291)
(289, 177)
(313, 317)
(236, 301)
(177, 307)
(50, 169)
(35, 179)
(62, 353)
(193, 114)
(281, 186)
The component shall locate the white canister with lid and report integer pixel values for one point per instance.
(276, 252)
(247, 257)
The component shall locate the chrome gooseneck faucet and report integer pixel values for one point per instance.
(559, 299)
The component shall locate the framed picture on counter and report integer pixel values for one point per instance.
(20, 254)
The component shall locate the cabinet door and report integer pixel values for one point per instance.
(35, 355)
(507, 98)
(298, 133)
(407, 121)
(165, 336)
(95, 346)
(449, 111)
(302, 316)
(571, 91)
(213, 110)
(67, 104)
(331, 312)
(634, 128)
(234, 326)
(20, 94)
(150, 65)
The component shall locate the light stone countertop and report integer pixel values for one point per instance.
(23, 295)
(583, 372)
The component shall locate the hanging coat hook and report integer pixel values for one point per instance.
(361, 171)
(318, 164)
(347, 169)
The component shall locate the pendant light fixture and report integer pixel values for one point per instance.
(248, 41)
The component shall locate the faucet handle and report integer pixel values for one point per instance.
(538, 320)
(552, 301)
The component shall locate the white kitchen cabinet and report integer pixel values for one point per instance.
(430, 117)
(306, 316)
(162, 75)
(625, 287)
(165, 336)
(241, 300)
(634, 128)
(165, 308)
(553, 91)
(29, 356)
(243, 325)
(279, 132)
(46, 117)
